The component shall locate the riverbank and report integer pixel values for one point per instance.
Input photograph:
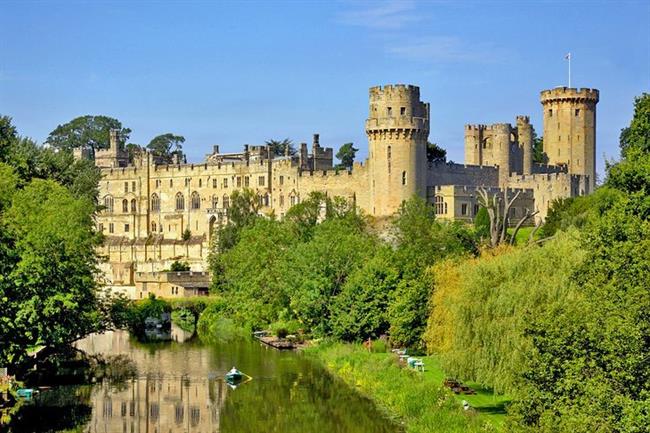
(418, 400)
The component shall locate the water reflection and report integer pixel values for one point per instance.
(180, 388)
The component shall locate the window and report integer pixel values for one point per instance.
(134, 206)
(125, 206)
(171, 183)
(402, 111)
(179, 413)
(215, 201)
(225, 182)
(281, 200)
(187, 181)
(403, 178)
(214, 183)
(111, 228)
(577, 112)
(153, 226)
(108, 204)
(238, 181)
(180, 201)
(157, 183)
(155, 202)
(246, 181)
(126, 186)
(388, 155)
(133, 186)
(390, 111)
(281, 180)
(200, 183)
(440, 205)
(294, 200)
(100, 228)
(126, 228)
(463, 209)
(196, 200)
(550, 113)
(260, 181)
(226, 201)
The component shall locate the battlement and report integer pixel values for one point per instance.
(395, 91)
(523, 120)
(475, 127)
(569, 93)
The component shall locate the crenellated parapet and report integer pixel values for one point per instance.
(565, 94)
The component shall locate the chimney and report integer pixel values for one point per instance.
(247, 154)
(215, 149)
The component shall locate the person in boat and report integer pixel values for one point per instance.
(233, 371)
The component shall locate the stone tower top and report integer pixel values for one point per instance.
(397, 107)
(569, 93)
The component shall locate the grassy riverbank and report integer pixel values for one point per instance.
(418, 400)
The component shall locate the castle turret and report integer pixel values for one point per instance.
(501, 133)
(474, 144)
(525, 138)
(570, 129)
(115, 155)
(397, 129)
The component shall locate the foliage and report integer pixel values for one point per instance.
(435, 153)
(133, 149)
(135, 313)
(213, 326)
(167, 146)
(346, 155)
(179, 266)
(539, 156)
(280, 147)
(637, 135)
(86, 131)
(243, 212)
(482, 223)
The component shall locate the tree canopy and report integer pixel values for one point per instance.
(165, 146)
(346, 155)
(280, 147)
(86, 131)
(435, 152)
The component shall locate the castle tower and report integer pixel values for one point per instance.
(474, 144)
(525, 138)
(570, 129)
(501, 133)
(397, 129)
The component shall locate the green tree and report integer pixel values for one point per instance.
(539, 156)
(133, 150)
(637, 135)
(243, 212)
(280, 147)
(482, 223)
(346, 155)
(165, 146)
(86, 131)
(435, 153)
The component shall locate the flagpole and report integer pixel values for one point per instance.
(569, 70)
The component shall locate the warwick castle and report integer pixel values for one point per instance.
(149, 206)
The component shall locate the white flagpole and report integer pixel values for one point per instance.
(569, 59)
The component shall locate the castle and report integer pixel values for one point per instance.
(148, 207)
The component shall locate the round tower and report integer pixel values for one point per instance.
(570, 129)
(501, 133)
(397, 129)
(525, 138)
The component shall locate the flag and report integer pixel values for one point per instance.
(568, 56)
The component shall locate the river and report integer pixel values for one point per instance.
(180, 388)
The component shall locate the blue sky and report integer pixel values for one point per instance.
(243, 72)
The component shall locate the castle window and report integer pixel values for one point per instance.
(196, 200)
(238, 181)
(260, 181)
(134, 207)
(463, 209)
(215, 201)
(111, 228)
(100, 228)
(225, 182)
(281, 180)
(214, 183)
(390, 111)
(155, 202)
(180, 201)
(402, 111)
(126, 186)
(153, 226)
(125, 206)
(226, 201)
(550, 113)
(403, 178)
(200, 183)
(187, 181)
(108, 204)
(133, 186)
(439, 204)
(293, 200)
(247, 181)
(577, 112)
(157, 183)
(171, 183)
(281, 200)
(126, 228)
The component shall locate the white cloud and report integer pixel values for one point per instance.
(445, 49)
(386, 15)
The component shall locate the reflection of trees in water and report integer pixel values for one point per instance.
(307, 400)
(62, 408)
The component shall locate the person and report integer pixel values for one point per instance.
(465, 405)
(233, 371)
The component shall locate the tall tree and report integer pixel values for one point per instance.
(90, 131)
(346, 155)
(435, 152)
(165, 146)
(279, 147)
(539, 156)
(638, 133)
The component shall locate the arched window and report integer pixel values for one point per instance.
(155, 202)
(125, 206)
(153, 227)
(134, 207)
(196, 200)
(226, 201)
(108, 203)
(180, 201)
(215, 201)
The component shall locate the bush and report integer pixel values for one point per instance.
(180, 266)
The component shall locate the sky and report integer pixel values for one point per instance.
(235, 73)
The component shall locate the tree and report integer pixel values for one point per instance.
(346, 155)
(166, 146)
(280, 147)
(435, 153)
(86, 131)
(637, 135)
(133, 150)
(498, 210)
(539, 156)
(243, 212)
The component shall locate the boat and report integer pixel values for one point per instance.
(234, 375)
(26, 393)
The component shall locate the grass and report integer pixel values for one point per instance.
(522, 235)
(417, 400)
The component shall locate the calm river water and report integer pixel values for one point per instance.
(180, 389)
